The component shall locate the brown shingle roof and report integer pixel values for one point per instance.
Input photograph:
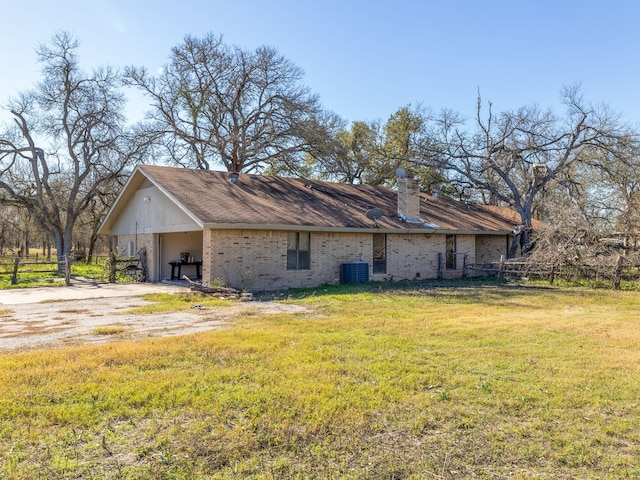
(266, 200)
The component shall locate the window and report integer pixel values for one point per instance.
(379, 253)
(451, 252)
(298, 251)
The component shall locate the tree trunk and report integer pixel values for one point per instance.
(513, 249)
(617, 273)
(203, 289)
(67, 270)
(526, 244)
(516, 241)
(522, 240)
(63, 244)
(59, 243)
(92, 247)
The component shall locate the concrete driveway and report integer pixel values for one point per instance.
(83, 290)
(54, 317)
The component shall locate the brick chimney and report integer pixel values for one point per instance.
(408, 198)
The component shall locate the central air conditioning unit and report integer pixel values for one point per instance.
(354, 272)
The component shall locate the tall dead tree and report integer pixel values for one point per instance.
(66, 143)
(513, 157)
(219, 105)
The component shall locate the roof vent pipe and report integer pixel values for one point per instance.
(234, 177)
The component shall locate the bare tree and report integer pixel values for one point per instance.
(66, 141)
(615, 189)
(514, 157)
(18, 231)
(86, 237)
(220, 105)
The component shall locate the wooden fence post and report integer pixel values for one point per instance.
(500, 273)
(617, 273)
(14, 277)
(112, 267)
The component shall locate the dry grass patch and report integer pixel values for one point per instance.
(172, 302)
(483, 382)
(109, 330)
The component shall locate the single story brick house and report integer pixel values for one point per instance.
(264, 232)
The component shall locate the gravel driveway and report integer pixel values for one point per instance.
(90, 313)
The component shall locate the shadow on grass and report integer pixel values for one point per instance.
(472, 290)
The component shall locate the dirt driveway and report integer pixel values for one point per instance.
(90, 313)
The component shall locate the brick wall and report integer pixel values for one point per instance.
(257, 260)
(412, 256)
(490, 247)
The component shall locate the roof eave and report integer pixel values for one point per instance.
(316, 228)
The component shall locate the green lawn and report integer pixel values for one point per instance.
(482, 381)
(46, 275)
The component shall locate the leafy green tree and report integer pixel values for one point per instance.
(395, 145)
(347, 158)
(372, 152)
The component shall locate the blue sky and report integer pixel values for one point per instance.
(365, 58)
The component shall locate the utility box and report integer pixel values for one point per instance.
(354, 272)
